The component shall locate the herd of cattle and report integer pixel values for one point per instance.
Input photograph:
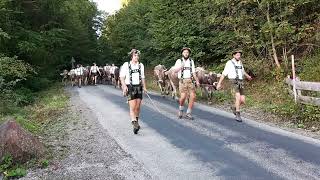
(103, 77)
(167, 80)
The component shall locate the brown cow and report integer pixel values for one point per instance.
(86, 75)
(64, 75)
(116, 79)
(174, 81)
(106, 75)
(72, 76)
(208, 82)
(162, 79)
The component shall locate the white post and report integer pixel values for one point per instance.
(294, 79)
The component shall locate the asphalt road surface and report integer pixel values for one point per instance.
(213, 146)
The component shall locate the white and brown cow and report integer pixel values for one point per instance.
(72, 76)
(64, 75)
(162, 79)
(208, 82)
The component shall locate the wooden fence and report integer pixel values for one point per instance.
(295, 88)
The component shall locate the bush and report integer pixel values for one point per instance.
(10, 169)
(310, 68)
(23, 97)
(37, 83)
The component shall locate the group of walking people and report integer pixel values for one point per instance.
(133, 82)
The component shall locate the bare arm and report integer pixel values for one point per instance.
(247, 76)
(122, 81)
(195, 77)
(177, 69)
(144, 85)
(124, 86)
(220, 81)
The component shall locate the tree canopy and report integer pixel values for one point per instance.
(264, 29)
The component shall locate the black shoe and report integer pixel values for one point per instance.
(238, 117)
(189, 116)
(180, 114)
(233, 110)
(136, 127)
(137, 118)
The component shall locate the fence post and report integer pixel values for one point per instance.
(298, 90)
(294, 79)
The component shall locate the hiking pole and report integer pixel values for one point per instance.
(154, 105)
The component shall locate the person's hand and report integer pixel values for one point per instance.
(124, 90)
(219, 86)
(145, 90)
(198, 83)
(249, 78)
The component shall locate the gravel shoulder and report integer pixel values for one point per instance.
(82, 149)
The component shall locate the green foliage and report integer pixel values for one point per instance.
(10, 169)
(23, 97)
(310, 68)
(160, 28)
(12, 71)
(44, 163)
(222, 96)
(37, 83)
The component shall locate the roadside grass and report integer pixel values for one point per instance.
(35, 118)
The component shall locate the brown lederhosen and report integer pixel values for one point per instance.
(186, 86)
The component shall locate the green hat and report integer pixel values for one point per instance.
(237, 51)
(134, 51)
(186, 48)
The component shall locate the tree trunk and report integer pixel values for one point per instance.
(274, 51)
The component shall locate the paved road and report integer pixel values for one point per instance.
(213, 146)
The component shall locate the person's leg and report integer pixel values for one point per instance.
(134, 114)
(181, 103)
(80, 78)
(192, 96)
(192, 99)
(237, 101)
(237, 105)
(132, 106)
(137, 108)
(242, 99)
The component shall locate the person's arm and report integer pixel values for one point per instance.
(223, 75)
(178, 66)
(246, 74)
(123, 72)
(220, 81)
(143, 79)
(195, 74)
